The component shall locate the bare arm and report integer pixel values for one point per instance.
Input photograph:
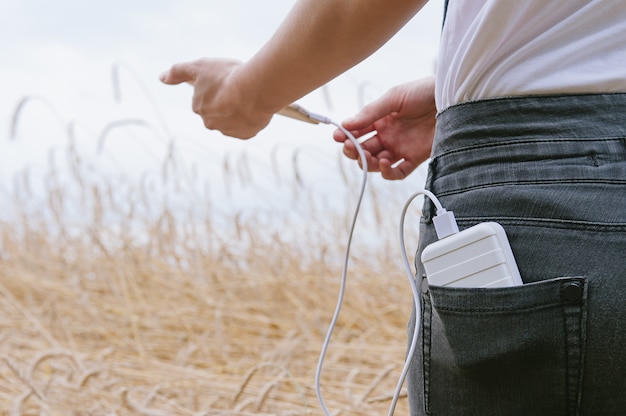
(317, 41)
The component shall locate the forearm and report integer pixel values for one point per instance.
(317, 41)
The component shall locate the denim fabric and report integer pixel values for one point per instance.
(552, 171)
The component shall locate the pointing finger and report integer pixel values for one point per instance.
(179, 73)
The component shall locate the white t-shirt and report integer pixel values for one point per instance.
(500, 48)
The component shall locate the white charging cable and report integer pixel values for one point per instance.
(344, 274)
(445, 224)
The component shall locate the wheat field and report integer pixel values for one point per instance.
(138, 295)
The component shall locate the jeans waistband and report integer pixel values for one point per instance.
(548, 139)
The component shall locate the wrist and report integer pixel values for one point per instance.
(255, 92)
(246, 99)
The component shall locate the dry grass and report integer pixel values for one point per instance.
(114, 305)
(127, 333)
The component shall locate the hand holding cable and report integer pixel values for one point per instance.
(402, 123)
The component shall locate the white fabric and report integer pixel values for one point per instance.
(499, 48)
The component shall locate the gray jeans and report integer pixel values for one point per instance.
(552, 171)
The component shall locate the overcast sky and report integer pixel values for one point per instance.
(65, 52)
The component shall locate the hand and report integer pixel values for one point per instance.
(404, 122)
(218, 98)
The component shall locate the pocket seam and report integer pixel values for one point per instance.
(521, 308)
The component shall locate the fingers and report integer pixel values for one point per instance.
(179, 73)
(371, 145)
(387, 104)
(388, 170)
(363, 122)
(397, 171)
(381, 161)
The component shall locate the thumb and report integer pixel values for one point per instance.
(179, 73)
(385, 105)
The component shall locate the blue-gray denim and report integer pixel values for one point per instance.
(552, 171)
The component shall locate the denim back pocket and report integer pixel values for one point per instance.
(478, 344)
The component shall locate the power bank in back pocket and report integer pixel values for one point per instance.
(479, 256)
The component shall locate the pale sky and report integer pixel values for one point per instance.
(64, 52)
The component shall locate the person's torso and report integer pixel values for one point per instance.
(501, 48)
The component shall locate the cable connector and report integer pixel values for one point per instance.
(445, 223)
(296, 111)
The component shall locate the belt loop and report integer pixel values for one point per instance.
(429, 208)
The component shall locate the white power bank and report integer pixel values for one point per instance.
(479, 256)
